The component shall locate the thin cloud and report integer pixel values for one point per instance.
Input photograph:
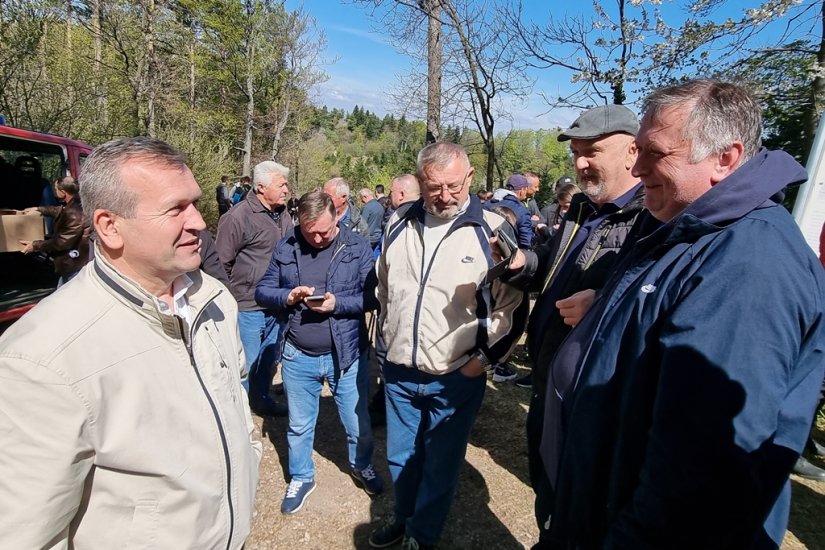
(360, 33)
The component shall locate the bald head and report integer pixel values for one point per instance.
(404, 188)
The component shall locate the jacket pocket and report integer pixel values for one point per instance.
(144, 529)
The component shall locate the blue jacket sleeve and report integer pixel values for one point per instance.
(269, 293)
(525, 229)
(363, 300)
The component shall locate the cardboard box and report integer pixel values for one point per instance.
(16, 226)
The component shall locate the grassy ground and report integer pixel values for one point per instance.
(493, 508)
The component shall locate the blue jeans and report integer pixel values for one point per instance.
(259, 337)
(303, 378)
(428, 424)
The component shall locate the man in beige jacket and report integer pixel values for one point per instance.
(445, 326)
(123, 420)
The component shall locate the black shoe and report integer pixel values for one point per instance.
(503, 373)
(268, 407)
(525, 381)
(389, 534)
(805, 469)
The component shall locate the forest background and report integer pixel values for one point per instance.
(234, 82)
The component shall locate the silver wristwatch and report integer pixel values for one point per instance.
(485, 363)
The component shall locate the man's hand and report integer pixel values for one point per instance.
(534, 218)
(27, 247)
(516, 263)
(327, 306)
(299, 293)
(573, 308)
(472, 368)
(31, 210)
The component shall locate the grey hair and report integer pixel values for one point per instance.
(262, 173)
(341, 186)
(68, 184)
(365, 192)
(313, 205)
(721, 113)
(440, 154)
(101, 182)
(408, 182)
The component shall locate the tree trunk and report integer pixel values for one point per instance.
(817, 91)
(192, 95)
(70, 88)
(283, 116)
(433, 8)
(249, 123)
(97, 72)
(151, 68)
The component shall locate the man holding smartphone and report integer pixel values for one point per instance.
(318, 284)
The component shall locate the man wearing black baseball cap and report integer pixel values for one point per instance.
(575, 263)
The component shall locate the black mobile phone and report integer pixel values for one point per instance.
(506, 244)
(316, 298)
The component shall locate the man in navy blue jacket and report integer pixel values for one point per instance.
(511, 196)
(319, 283)
(678, 405)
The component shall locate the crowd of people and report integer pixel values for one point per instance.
(676, 338)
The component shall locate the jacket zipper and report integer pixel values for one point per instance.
(576, 227)
(602, 238)
(420, 298)
(225, 445)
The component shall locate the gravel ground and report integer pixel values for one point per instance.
(493, 508)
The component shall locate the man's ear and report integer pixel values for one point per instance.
(631, 155)
(727, 162)
(107, 226)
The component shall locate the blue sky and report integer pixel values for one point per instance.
(366, 65)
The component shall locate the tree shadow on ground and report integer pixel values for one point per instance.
(500, 428)
(330, 439)
(471, 524)
(807, 511)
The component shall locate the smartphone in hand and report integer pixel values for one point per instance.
(315, 300)
(506, 244)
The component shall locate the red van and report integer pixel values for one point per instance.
(30, 162)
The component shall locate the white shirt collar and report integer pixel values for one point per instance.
(179, 288)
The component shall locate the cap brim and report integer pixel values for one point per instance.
(573, 134)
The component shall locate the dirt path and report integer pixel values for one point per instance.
(493, 507)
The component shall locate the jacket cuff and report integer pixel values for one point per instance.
(522, 279)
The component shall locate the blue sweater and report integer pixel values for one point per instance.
(697, 392)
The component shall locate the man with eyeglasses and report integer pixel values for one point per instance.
(444, 327)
